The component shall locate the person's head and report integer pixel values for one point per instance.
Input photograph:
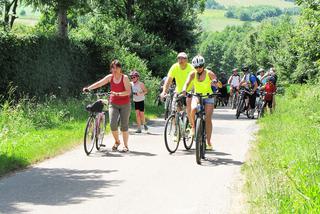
(260, 72)
(272, 70)
(134, 76)
(245, 69)
(235, 71)
(182, 59)
(272, 80)
(115, 66)
(198, 63)
(223, 74)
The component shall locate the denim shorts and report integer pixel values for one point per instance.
(208, 101)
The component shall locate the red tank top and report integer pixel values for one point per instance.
(118, 100)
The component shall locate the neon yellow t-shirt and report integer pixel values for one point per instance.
(203, 87)
(181, 76)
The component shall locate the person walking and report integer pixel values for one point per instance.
(139, 91)
(119, 102)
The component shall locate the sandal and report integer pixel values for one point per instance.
(125, 149)
(115, 146)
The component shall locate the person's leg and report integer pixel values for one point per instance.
(113, 118)
(188, 109)
(209, 111)
(273, 102)
(124, 121)
(194, 104)
(138, 120)
(252, 102)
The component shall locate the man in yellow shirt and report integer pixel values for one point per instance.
(180, 72)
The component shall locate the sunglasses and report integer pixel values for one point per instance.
(196, 67)
(133, 77)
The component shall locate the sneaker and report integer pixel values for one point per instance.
(209, 147)
(138, 131)
(145, 127)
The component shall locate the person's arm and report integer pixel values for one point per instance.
(144, 89)
(230, 79)
(99, 84)
(243, 81)
(265, 76)
(189, 80)
(167, 83)
(127, 87)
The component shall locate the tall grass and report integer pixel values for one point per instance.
(283, 173)
(32, 131)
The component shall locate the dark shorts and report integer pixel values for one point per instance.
(268, 103)
(139, 106)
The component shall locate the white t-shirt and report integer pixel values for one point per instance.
(235, 81)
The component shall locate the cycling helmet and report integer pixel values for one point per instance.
(198, 61)
(134, 73)
(245, 68)
(272, 79)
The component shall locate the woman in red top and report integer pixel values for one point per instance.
(119, 102)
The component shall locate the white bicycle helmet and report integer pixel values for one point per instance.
(198, 61)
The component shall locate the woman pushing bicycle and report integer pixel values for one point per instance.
(119, 102)
(202, 80)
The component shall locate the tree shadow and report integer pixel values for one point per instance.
(45, 186)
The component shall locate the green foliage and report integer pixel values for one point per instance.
(283, 171)
(212, 4)
(258, 13)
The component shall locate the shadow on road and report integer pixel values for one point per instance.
(44, 186)
(209, 161)
(119, 154)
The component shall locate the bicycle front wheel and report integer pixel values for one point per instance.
(89, 136)
(172, 134)
(198, 139)
(239, 108)
(101, 121)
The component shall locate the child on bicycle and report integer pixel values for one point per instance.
(202, 82)
(139, 91)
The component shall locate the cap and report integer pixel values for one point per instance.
(183, 55)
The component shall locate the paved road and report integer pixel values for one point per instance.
(146, 180)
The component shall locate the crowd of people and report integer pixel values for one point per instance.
(188, 78)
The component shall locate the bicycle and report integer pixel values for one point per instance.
(200, 126)
(96, 124)
(177, 127)
(243, 106)
(260, 104)
(168, 103)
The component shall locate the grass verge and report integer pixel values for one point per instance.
(31, 132)
(283, 173)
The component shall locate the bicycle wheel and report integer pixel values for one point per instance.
(101, 121)
(172, 134)
(89, 135)
(239, 108)
(234, 101)
(198, 139)
(187, 139)
(167, 108)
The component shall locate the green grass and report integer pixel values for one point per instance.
(240, 3)
(31, 132)
(283, 173)
(214, 20)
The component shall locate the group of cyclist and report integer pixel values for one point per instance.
(188, 78)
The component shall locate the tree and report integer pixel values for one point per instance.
(61, 7)
(9, 13)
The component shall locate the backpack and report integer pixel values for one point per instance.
(257, 79)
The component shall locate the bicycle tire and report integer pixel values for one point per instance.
(239, 108)
(187, 142)
(90, 124)
(172, 120)
(101, 127)
(198, 140)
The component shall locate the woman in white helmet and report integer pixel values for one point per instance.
(202, 81)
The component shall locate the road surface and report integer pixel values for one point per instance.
(146, 180)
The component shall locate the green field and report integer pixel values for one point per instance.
(214, 20)
(30, 18)
(243, 3)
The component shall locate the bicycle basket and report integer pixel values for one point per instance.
(95, 107)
